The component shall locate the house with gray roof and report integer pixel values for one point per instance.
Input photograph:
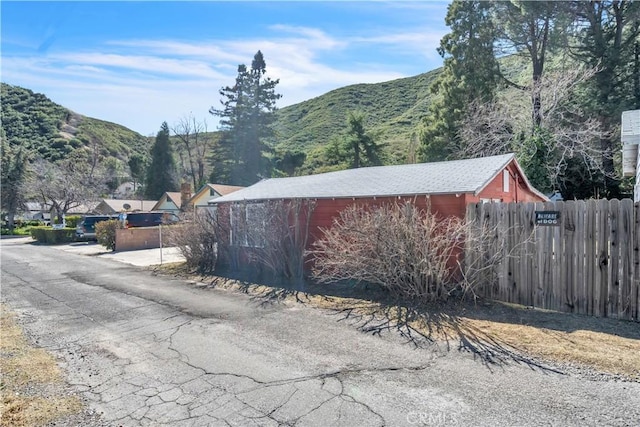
(114, 206)
(444, 188)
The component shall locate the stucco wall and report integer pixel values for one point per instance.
(131, 239)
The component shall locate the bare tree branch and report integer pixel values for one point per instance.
(503, 125)
(193, 148)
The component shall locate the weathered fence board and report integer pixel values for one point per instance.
(587, 263)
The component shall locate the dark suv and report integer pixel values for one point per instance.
(150, 219)
(86, 229)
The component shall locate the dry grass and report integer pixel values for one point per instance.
(30, 380)
(605, 352)
(494, 330)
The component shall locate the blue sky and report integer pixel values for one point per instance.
(141, 63)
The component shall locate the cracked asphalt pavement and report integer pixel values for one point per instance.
(148, 350)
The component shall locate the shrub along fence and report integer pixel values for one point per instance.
(575, 256)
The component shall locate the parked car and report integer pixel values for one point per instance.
(86, 229)
(150, 219)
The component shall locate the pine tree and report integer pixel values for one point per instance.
(532, 30)
(161, 174)
(360, 144)
(470, 75)
(245, 120)
(14, 175)
(607, 36)
(137, 166)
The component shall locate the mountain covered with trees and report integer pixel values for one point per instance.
(394, 111)
(53, 132)
(58, 157)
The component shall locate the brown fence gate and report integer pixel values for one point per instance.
(575, 256)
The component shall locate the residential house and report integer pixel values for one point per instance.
(39, 211)
(125, 190)
(446, 188)
(169, 202)
(114, 206)
(210, 192)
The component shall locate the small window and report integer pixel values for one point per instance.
(256, 225)
(505, 180)
(237, 218)
(248, 225)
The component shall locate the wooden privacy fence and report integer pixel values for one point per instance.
(586, 260)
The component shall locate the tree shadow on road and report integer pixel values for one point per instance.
(371, 310)
(436, 325)
(495, 333)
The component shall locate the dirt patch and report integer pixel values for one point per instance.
(32, 389)
(494, 331)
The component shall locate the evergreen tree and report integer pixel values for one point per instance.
(14, 175)
(137, 166)
(287, 162)
(161, 174)
(245, 119)
(221, 161)
(470, 75)
(606, 38)
(532, 30)
(361, 145)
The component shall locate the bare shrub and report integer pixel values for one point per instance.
(404, 249)
(196, 238)
(273, 233)
(286, 236)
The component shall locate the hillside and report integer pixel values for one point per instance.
(34, 121)
(393, 109)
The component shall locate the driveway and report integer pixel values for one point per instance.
(143, 257)
(148, 350)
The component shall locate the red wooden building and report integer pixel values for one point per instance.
(446, 187)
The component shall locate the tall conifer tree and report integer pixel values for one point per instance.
(470, 75)
(245, 120)
(161, 174)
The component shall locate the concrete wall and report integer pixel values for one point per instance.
(131, 239)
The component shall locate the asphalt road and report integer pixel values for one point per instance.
(149, 350)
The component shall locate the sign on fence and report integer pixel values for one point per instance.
(548, 218)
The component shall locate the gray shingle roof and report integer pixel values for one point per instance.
(451, 177)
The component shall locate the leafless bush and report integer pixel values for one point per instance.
(274, 233)
(197, 240)
(404, 249)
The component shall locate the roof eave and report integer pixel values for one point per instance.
(361, 196)
(522, 175)
(511, 158)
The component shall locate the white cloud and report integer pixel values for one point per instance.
(140, 83)
(151, 64)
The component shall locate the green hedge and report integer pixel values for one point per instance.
(50, 236)
(73, 220)
(23, 231)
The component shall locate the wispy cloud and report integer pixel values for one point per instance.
(141, 82)
(150, 64)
